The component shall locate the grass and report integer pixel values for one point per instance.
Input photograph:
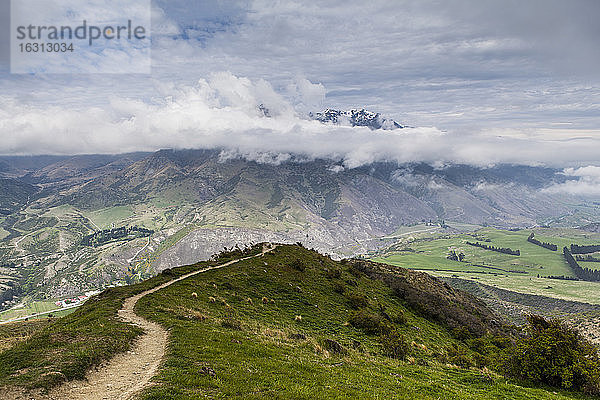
(233, 348)
(67, 347)
(105, 217)
(517, 273)
(10, 334)
(222, 345)
(54, 314)
(3, 233)
(28, 309)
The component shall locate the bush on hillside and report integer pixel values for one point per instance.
(439, 302)
(339, 287)
(457, 355)
(297, 264)
(369, 322)
(394, 344)
(357, 300)
(554, 354)
(333, 273)
(398, 318)
(462, 333)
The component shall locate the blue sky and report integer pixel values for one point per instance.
(483, 82)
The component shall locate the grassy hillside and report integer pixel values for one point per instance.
(225, 346)
(65, 348)
(292, 324)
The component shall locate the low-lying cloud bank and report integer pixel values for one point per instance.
(586, 182)
(222, 112)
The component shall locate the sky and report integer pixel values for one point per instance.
(479, 82)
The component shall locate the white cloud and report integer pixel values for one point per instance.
(222, 113)
(461, 65)
(336, 168)
(586, 182)
(433, 185)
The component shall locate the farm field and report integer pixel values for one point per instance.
(28, 309)
(526, 273)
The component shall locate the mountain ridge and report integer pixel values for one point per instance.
(356, 117)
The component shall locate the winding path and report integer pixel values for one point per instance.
(127, 374)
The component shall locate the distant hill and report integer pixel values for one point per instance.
(14, 194)
(595, 227)
(197, 202)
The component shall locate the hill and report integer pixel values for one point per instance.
(289, 324)
(14, 194)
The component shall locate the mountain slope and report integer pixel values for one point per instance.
(14, 194)
(197, 201)
(289, 324)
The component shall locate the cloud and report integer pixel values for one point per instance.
(405, 177)
(463, 66)
(454, 64)
(223, 113)
(586, 182)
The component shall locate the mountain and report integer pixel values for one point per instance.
(356, 117)
(197, 203)
(14, 194)
(595, 227)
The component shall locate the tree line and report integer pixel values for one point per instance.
(585, 249)
(455, 257)
(585, 274)
(505, 250)
(587, 258)
(549, 246)
(104, 236)
(560, 277)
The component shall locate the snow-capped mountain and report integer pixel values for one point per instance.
(356, 117)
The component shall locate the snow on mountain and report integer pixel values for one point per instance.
(356, 117)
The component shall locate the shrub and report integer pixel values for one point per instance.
(554, 354)
(357, 269)
(457, 355)
(357, 300)
(228, 286)
(333, 273)
(339, 287)
(441, 303)
(351, 282)
(462, 333)
(370, 323)
(334, 347)
(297, 264)
(231, 323)
(398, 318)
(394, 344)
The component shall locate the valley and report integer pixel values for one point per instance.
(534, 271)
(196, 203)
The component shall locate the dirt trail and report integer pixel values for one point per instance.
(127, 374)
